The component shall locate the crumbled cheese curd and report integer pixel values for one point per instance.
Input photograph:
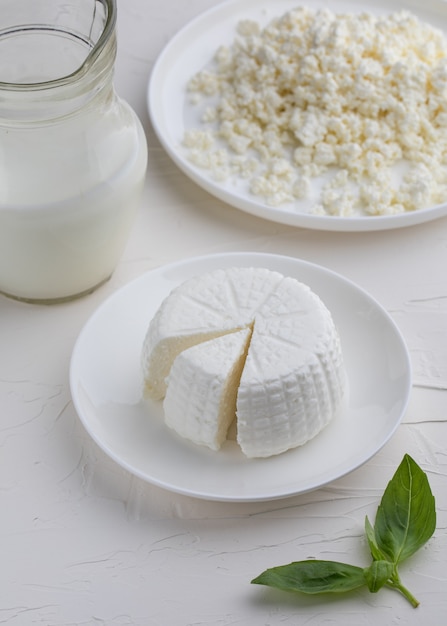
(349, 96)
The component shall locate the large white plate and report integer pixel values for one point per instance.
(194, 46)
(106, 384)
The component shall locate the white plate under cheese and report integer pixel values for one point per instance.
(246, 344)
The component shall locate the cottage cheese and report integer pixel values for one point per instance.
(315, 94)
(249, 344)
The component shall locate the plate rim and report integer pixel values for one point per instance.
(259, 209)
(224, 257)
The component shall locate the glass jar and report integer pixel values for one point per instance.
(73, 155)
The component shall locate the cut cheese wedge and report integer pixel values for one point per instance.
(246, 343)
(202, 386)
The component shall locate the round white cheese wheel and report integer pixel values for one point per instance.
(266, 353)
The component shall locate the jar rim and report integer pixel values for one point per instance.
(97, 48)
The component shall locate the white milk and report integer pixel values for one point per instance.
(64, 224)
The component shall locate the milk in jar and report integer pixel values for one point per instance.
(73, 155)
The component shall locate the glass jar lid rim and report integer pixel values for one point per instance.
(107, 31)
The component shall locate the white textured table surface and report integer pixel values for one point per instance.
(85, 543)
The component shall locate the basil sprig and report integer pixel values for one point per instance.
(405, 521)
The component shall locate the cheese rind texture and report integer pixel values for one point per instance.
(293, 379)
(246, 344)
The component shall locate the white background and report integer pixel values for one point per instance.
(83, 542)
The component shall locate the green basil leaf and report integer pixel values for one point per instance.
(406, 517)
(313, 576)
(373, 547)
(377, 574)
